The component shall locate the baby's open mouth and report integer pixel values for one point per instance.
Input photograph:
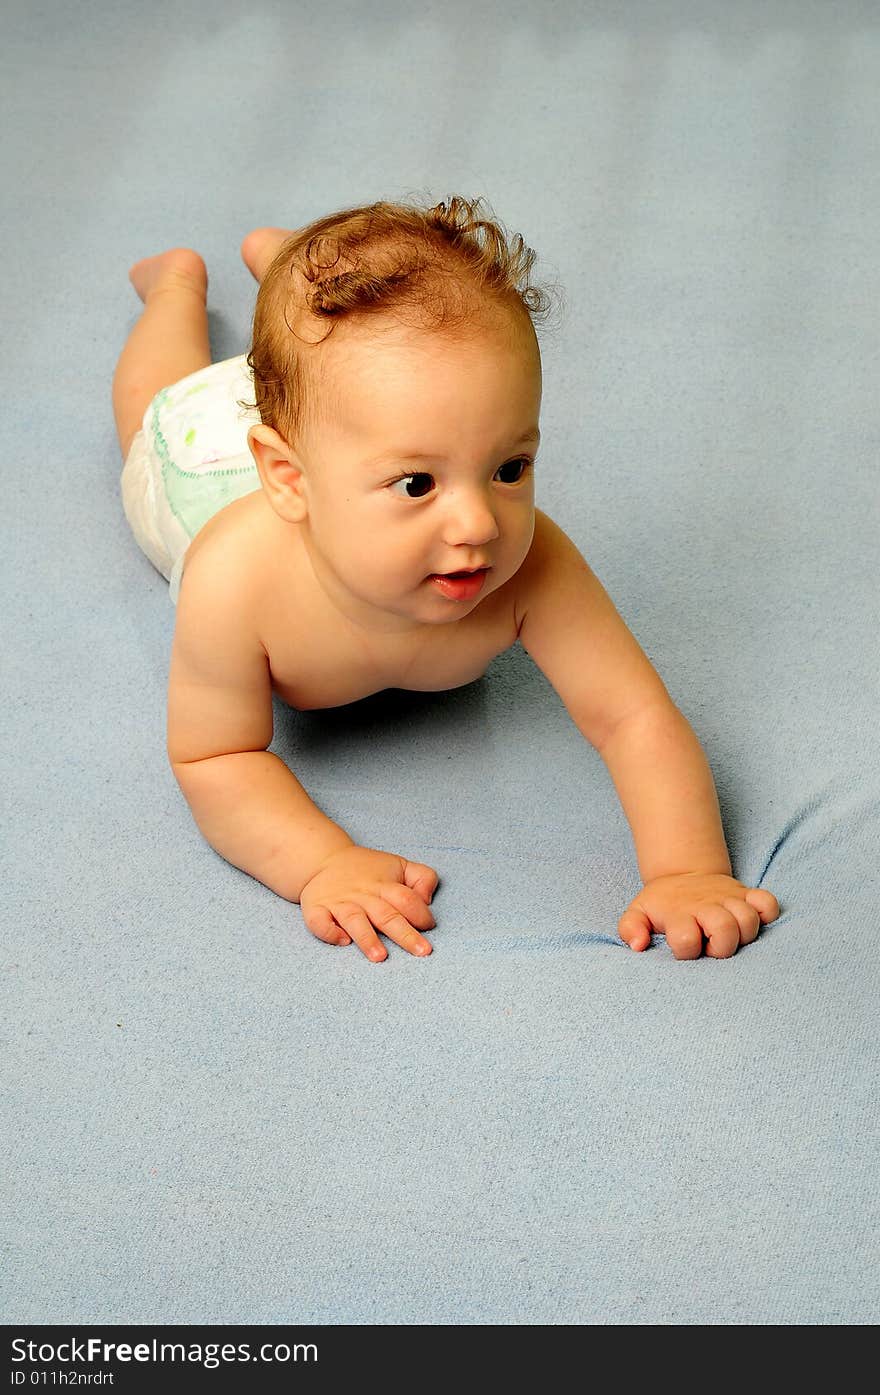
(461, 585)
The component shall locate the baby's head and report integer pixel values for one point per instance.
(398, 379)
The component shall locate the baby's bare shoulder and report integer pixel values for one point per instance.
(552, 550)
(249, 567)
(231, 553)
(549, 540)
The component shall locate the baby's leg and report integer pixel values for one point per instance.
(169, 341)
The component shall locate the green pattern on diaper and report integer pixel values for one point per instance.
(194, 495)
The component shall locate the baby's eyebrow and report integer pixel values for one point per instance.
(389, 457)
(531, 434)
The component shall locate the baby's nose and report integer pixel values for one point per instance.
(471, 521)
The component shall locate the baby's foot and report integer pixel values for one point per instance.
(259, 248)
(181, 267)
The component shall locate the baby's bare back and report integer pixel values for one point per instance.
(317, 657)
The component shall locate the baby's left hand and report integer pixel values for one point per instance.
(692, 907)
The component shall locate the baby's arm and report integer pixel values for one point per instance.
(572, 630)
(247, 803)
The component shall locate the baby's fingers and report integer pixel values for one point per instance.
(421, 878)
(324, 927)
(634, 928)
(410, 905)
(356, 922)
(722, 931)
(746, 917)
(389, 920)
(764, 902)
(684, 936)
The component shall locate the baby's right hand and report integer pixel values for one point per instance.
(358, 888)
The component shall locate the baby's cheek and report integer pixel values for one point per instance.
(522, 551)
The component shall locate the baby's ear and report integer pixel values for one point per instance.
(280, 474)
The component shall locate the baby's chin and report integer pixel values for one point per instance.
(443, 606)
(425, 605)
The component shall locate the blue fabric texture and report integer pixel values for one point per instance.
(213, 1117)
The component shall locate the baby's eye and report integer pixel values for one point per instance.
(420, 484)
(521, 465)
(417, 486)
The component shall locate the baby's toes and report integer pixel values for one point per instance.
(260, 246)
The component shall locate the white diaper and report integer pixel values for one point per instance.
(189, 460)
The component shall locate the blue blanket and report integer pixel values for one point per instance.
(214, 1118)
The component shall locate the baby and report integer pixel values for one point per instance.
(370, 523)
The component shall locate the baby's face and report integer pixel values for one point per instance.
(380, 524)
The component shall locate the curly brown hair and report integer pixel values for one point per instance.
(447, 269)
